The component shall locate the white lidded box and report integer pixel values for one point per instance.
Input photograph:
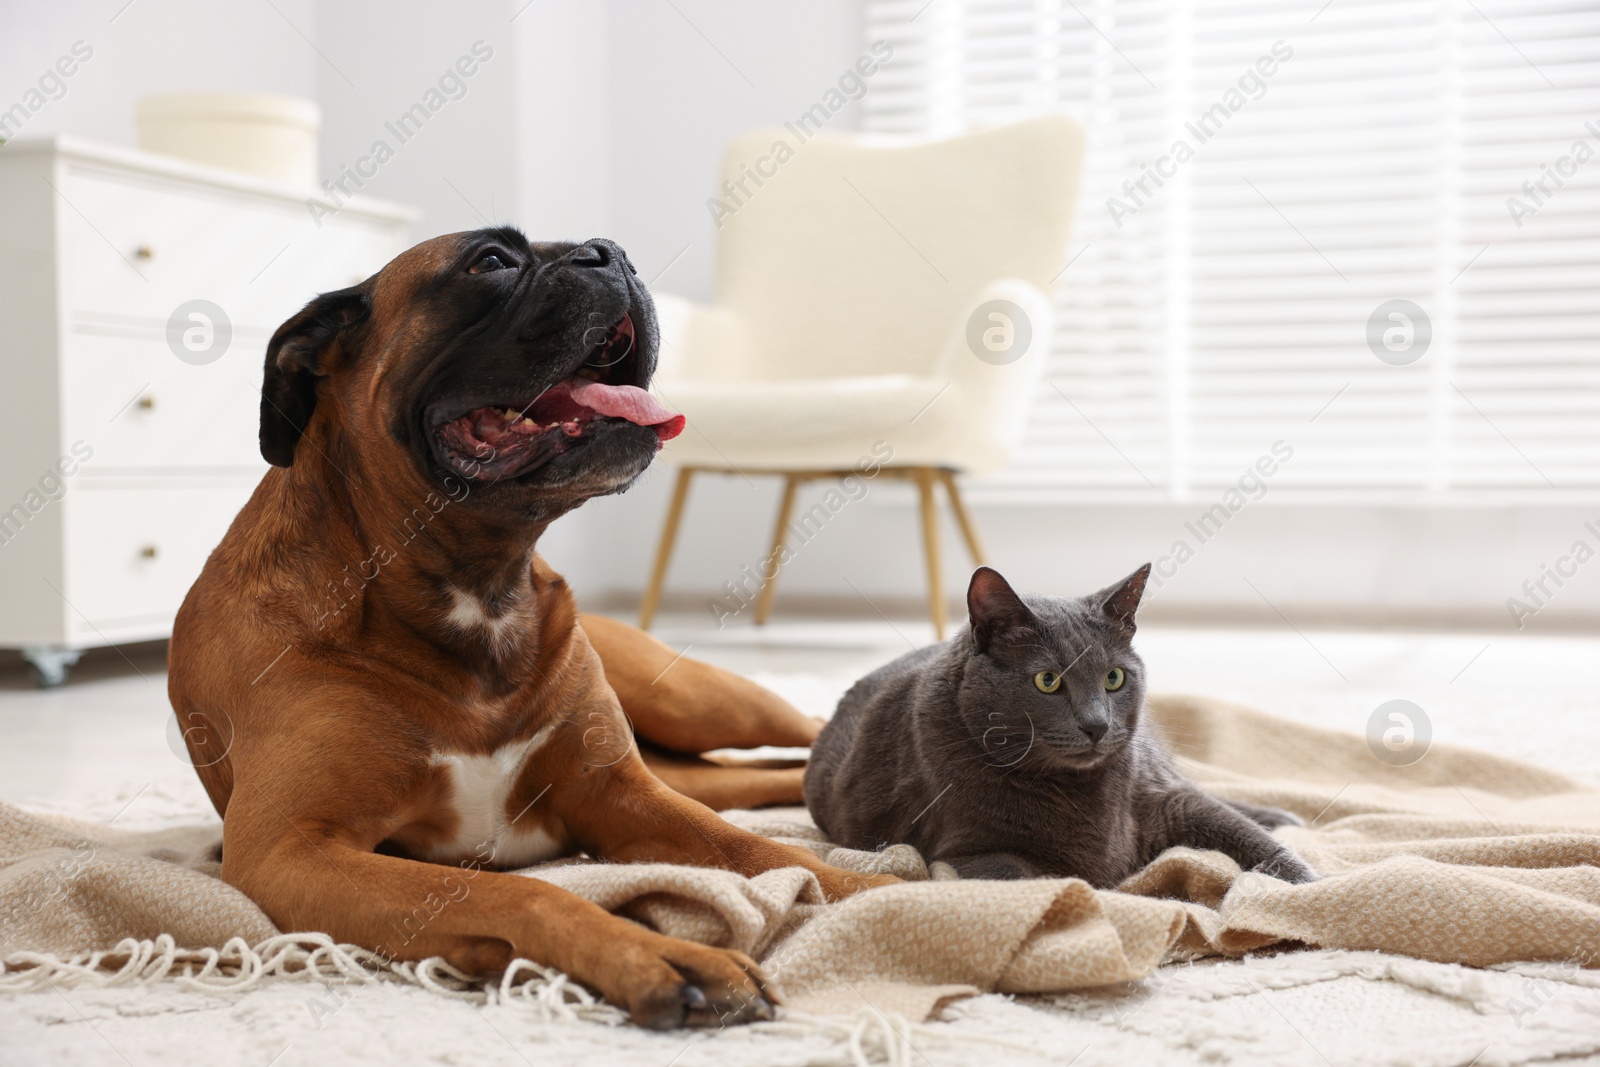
(259, 133)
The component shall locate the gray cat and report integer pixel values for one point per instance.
(1015, 750)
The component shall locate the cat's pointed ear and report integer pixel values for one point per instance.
(1121, 601)
(993, 607)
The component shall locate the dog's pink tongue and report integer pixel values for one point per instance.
(627, 402)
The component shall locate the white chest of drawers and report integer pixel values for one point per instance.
(128, 412)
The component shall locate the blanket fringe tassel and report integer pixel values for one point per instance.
(238, 966)
(872, 1039)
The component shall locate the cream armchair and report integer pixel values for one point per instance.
(881, 302)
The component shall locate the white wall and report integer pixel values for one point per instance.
(151, 46)
(684, 78)
(364, 61)
(378, 59)
(563, 97)
(596, 117)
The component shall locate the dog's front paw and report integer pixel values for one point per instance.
(1287, 867)
(879, 881)
(665, 983)
(838, 884)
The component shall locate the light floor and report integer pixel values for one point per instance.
(105, 746)
(109, 731)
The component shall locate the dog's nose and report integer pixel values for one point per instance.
(1094, 730)
(595, 254)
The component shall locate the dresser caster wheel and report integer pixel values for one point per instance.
(50, 664)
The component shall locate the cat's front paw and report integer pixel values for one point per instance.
(1287, 867)
(1272, 818)
(995, 866)
(1269, 818)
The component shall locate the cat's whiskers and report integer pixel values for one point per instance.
(1020, 763)
(988, 756)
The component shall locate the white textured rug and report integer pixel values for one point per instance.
(1311, 1007)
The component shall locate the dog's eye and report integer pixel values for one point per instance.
(487, 262)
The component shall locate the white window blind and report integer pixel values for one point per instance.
(1383, 158)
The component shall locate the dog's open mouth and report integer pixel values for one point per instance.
(504, 440)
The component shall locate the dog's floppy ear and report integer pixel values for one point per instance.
(297, 356)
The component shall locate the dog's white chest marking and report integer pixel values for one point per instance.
(469, 615)
(480, 786)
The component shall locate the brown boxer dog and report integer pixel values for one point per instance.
(391, 698)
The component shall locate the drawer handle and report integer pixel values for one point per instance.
(148, 552)
(144, 252)
(146, 403)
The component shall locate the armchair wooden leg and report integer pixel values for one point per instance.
(769, 588)
(968, 531)
(669, 534)
(927, 477)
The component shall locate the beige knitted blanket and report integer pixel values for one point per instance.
(1462, 857)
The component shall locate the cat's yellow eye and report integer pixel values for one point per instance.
(1114, 679)
(1047, 681)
